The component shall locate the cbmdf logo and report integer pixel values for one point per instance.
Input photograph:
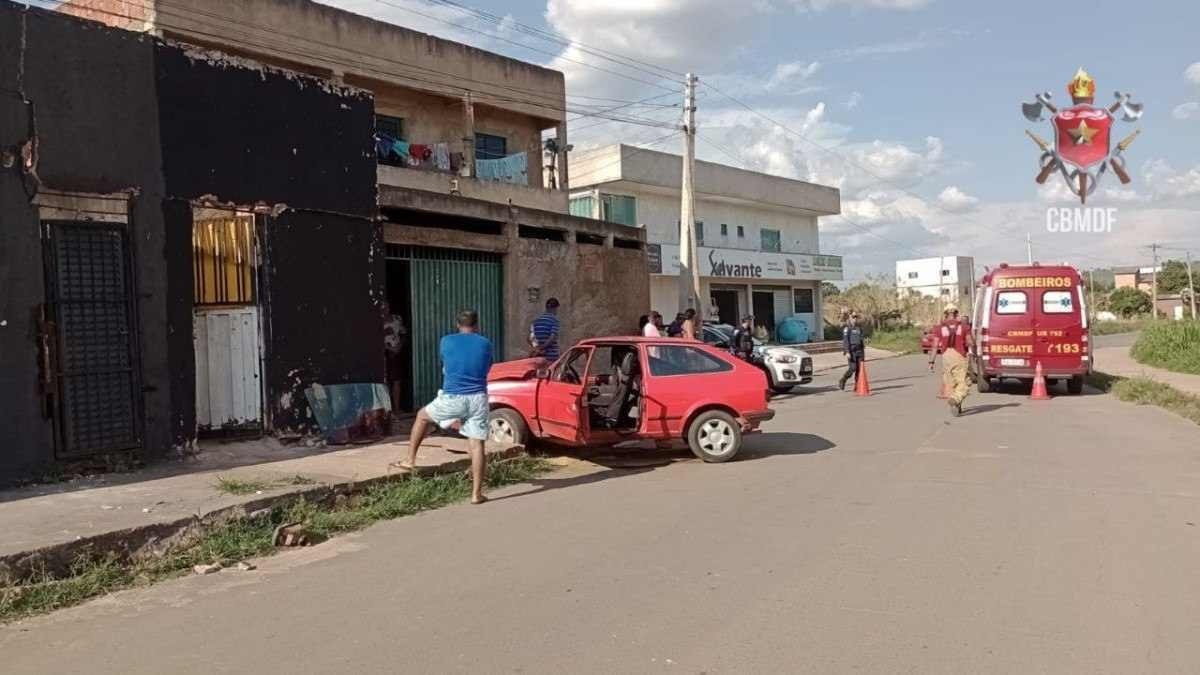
(1083, 150)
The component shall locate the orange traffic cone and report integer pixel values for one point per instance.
(1039, 392)
(861, 386)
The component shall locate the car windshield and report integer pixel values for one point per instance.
(715, 333)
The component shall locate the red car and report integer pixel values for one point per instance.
(608, 390)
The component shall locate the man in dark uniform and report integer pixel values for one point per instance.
(742, 345)
(854, 348)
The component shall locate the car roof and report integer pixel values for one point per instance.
(637, 339)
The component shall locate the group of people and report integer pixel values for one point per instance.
(685, 325)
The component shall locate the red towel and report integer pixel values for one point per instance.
(420, 152)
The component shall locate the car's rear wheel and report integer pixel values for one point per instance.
(506, 425)
(714, 436)
(1075, 385)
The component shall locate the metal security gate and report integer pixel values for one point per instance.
(93, 360)
(444, 282)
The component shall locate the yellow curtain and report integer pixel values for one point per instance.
(223, 260)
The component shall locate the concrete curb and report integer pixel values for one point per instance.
(157, 539)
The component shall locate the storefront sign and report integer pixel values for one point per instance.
(728, 263)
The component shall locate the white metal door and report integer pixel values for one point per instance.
(228, 389)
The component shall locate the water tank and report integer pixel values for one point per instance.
(791, 331)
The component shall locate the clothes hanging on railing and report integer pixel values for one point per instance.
(510, 169)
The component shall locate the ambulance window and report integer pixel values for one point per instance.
(1011, 302)
(1057, 302)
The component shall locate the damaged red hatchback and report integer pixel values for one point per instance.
(608, 390)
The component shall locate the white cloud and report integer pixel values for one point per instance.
(1192, 73)
(1187, 111)
(795, 71)
(853, 100)
(955, 200)
(1165, 182)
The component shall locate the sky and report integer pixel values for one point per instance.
(911, 107)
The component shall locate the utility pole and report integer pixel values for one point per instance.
(689, 265)
(1191, 284)
(1028, 248)
(1154, 283)
(1091, 298)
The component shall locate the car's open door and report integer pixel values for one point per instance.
(560, 405)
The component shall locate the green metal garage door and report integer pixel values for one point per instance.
(443, 282)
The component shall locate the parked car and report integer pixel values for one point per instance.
(608, 390)
(786, 367)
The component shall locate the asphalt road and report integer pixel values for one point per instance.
(874, 535)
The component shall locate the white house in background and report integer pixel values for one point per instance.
(951, 278)
(757, 235)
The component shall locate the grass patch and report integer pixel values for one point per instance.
(1173, 345)
(1117, 327)
(241, 486)
(899, 340)
(238, 540)
(1144, 391)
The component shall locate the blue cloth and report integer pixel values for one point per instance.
(543, 327)
(466, 359)
(510, 169)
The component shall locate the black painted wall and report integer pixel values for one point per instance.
(116, 110)
(325, 275)
(96, 121)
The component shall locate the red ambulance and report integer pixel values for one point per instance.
(1024, 315)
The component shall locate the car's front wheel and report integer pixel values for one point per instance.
(714, 436)
(506, 426)
(781, 387)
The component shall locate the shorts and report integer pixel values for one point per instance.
(470, 409)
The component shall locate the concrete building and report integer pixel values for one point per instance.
(758, 236)
(428, 91)
(461, 224)
(1141, 278)
(951, 278)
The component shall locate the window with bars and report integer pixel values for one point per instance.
(618, 209)
(770, 240)
(224, 260)
(387, 130)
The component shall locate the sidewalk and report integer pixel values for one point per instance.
(142, 510)
(1117, 361)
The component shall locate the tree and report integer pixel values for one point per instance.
(1128, 302)
(1173, 278)
(828, 290)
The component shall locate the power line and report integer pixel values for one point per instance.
(609, 55)
(520, 44)
(483, 95)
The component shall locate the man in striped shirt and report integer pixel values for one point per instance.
(543, 333)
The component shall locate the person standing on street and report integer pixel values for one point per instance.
(462, 403)
(742, 345)
(394, 337)
(690, 329)
(544, 332)
(953, 339)
(854, 348)
(653, 327)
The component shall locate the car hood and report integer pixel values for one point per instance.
(521, 369)
(781, 349)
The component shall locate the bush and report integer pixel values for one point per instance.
(901, 340)
(1115, 327)
(1174, 345)
(1129, 302)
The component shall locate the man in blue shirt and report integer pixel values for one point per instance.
(543, 334)
(462, 403)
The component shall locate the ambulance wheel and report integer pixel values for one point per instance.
(984, 384)
(1075, 385)
(714, 436)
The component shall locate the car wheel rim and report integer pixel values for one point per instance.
(502, 431)
(716, 437)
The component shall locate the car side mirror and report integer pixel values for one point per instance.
(542, 373)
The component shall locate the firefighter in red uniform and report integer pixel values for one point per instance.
(953, 339)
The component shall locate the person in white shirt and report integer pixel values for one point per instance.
(653, 327)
